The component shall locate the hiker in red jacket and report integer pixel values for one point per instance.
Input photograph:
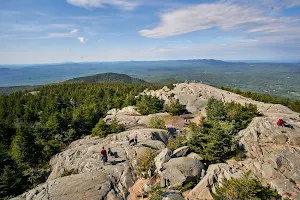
(104, 155)
(280, 122)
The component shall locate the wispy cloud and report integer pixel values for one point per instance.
(120, 4)
(61, 35)
(82, 40)
(205, 16)
(71, 33)
(10, 13)
(266, 4)
(41, 14)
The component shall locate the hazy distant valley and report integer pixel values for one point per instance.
(270, 78)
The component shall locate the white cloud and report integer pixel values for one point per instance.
(71, 33)
(266, 4)
(120, 4)
(205, 16)
(41, 14)
(82, 40)
(61, 35)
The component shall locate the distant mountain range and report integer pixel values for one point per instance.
(281, 79)
(108, 78)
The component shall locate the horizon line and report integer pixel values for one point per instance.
(73, 62)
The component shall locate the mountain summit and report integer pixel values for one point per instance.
(108, 78)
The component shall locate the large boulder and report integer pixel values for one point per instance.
(93, 185)
(162, 158)
(181, 151)
(178, 171)
(172, 196)
(195, 156)
(214, 175)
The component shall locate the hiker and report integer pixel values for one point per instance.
(280, 122)
(283, 123)
(110, 153)
(135, 139)
(131, 140)
(104, 155)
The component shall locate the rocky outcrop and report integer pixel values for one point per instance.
(273, 154)
(181, 152)
(173, 196)
(196, 95)
(92, 185)
(180, 170)
(214, 175)
(162, 158)
(131, 118)
(94, 179)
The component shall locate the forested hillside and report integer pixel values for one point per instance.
(12, 89)
(34, 126)
(108, 78)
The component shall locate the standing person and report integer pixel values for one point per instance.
(104, 155)
(135, 139)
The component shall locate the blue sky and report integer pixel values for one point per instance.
(50, 31)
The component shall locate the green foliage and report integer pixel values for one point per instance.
(156, 122)
(36, 126)
(102, 129)
(156, 193)
(171, 86)
(215, 110)
(189, 185)
(68, 172)
(175, 143)
(108, 78)
(211, 142)
(11, 181)
(244, 188)
(175, 108)
(214, 139)
(149, 105)
(292, 104)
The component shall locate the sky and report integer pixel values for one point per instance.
(54, 31)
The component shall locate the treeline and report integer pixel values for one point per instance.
(291, 104)
(35, 126)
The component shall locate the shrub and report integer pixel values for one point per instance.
(175, 108)
(211, 142)
(102, 129)
(156, 193)
(189, 185)
(157, 123)
(68, 172)
(146, 161)
(244, 188)
(180, 141)
(149, 105)
(171, 86)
